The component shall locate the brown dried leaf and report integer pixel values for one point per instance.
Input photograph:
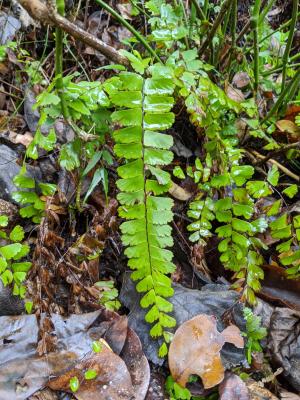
(284, 125)
(234, 94)
(125, 10)
(45, 394)
(17, 138)
(241, 79)
(233, 388)
(179, 193)
(196, 347)
(113, 379)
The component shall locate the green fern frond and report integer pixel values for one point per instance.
(143, 112)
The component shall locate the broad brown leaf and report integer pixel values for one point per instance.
(196, 347)
(113, 379)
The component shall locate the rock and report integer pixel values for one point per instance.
(31, 116)
(9, 169)
(9, 27)
(283, 340)
(284, 343)
(9, 304)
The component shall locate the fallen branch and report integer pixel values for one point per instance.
(282, 149)
(47, 15)
(280, 166)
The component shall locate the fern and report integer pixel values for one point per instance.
(143, 111)
(289, 253)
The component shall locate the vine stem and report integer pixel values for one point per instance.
(289, 42)
(215, 26)
(198, 9)
(254, 24)
(233, 28)
(59, 38)
(122, 21)
(294, 83)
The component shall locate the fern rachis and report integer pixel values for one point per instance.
(145, 105)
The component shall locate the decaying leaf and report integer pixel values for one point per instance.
(234, 94)
(233, 388)
(24, 372)
(257, 392)
(113, 380)
(196, 347)
(179, 193)
(241, 79)
(284, 125)
(24, 139)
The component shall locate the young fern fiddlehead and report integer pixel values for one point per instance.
(143, 111)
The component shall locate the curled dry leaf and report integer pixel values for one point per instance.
(196, 347)
(241, 79)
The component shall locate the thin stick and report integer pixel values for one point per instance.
(215, 26)
(289, 42)
(278, 151)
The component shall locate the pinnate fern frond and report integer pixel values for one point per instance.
(143, 112)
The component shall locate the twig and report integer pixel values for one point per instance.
(39, 11)
(278, 151)
(289, 42)
(215, 26)
(280, 166)
(253, 160)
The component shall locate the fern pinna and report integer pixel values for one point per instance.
(143, 111)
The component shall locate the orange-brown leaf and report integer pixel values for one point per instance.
(195, 349)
